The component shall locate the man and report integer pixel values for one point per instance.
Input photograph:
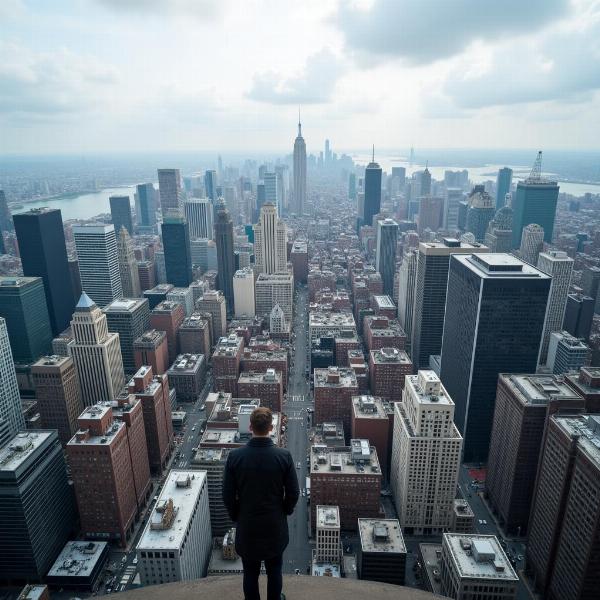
(260, 490)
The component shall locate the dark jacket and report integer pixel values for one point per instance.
(260, 489)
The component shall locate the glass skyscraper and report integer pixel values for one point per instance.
(503, 183)
(225, 258)
(387, 239)
(372, 191)
(534, 202)
(176, 246)
(120, 212)
(146, 205)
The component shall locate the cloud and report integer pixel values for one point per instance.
(423, 31)
(11, 9)
(202, 9)
(50, 83)
(314, 85)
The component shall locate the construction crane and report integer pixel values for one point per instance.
(536, 170)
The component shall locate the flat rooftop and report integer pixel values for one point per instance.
(539, 389)
(368, 407)
(500, 265)
(343, 460)
(173, 511)
(462, 508)
(479, 557)
(427, 388)
(186, 363)
(335, 377)
(161, 288)
(383, 301)
(390, 355)
(381, 535)
(271, 376)
(328, 517)
(125, 305)
(77, 559)
(210, 455)
(152, 337)
(17, 282)
(330, 319)
(165, 307)
(20, 448)
(587, 428)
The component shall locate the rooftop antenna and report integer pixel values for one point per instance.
(373, 153)
(536, 170)
(299, 124)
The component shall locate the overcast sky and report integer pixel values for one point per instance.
(222, 75)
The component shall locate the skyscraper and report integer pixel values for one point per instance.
(171, 193)
(579, 315)
(454, 197)
(352, 186)
(98, 262)
(535, 202)
(498, 237)
(130, 280)
(199, 215)
(430, 296)
(431, 210)
(532, 243)
(503, 183)
(372, 191)
(560, 266)
(406, 294)
(495, 311)
(6, 222)
(270, 181)
(225, 259)
(299, 172)
(270, 241)
(243, 291)
(96, 354)
(146, 205)
(566, 353)
(426, 182)
(387, 240)
(11, 414)
(44, 254)
(176, 245)
(120, 212)
(23, 306)
(210, 185)
(480, 212)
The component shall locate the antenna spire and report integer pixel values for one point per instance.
(536, 170)
(373, 153)
(299, 124)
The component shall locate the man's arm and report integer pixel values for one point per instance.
(290, 484)
(229, 494)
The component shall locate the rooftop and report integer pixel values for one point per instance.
(383, 301)
(328, 517)
(125, 305)
(390, 355)
(381, 535)
(77, 559)
(186, 363)
(150, 337)
(17, 282)
(462, 507)
(270, 376)
(317, 318)
(499, 265)
(368, 407)
(359, 457)
(166, 306)
(20, 448)
(161, 288)
(587, 430)
(539, 389)
(428, 388)
(335, 377)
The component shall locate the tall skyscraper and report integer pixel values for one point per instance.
(120, 212)
(176, 245)
(431, 210)
(146, 205)
(430, 296)
(566, 353)
(210, 185)
(299, 172)
(579, 315)
(11, 414)
(98, 262)
(23, 305)
(535, 202)
(96, 354)
(454, 196)
(426, 182)
(171, 193)
(243, 291)
(199, 215)
(272, 289)
(44, 254)
(426, 454)
(372, 191)
(503, 183)
(270, 241)
(495, 311)
(352, 186)
(590, 282)
(387, 240)
(128, 269)
(498, 237)
(532, 243)
(479, 213)
(406, 294)
(270, 181)
(6, 221)
(225, 258)
(560, 266)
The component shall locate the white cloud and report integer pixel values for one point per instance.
(201, 9)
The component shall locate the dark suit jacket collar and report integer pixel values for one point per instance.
(260, 442)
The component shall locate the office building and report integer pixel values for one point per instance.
(104, 472)
(225, 258)
(431, 213)
(43, 253)
(157, 294)
(147, 274)
(579, 315)
(57, 394)
(388, 368)
(560, 266)
(128, 266)
(346, 477)
(566, 353)
(6, 222)
(299, 260)
(535, 202)
(79, 566)
(372, 191)
(425, 182)
(430, 296)
(479, 213)
(194, 335)
(382, 552)
(476, 566)
(321, 324)
(387, 240)
(23, 306)
(454, 196)
(37, 505)
(168, 317)
(176, 542)
(186, 376)
(300, 194)
(152, 349)
(96, 354)
(270, 241)
(333, 392)
(146, 205)
(370, 421)
(176, 245)
(503, 184)
(563, 533)
(11, 413)
(272, 289)
(532, 243)
(279, 327)
(226, 362)
(267, 386)
(463, 517)
(498, 237)
(426, 455)
(407, 276)
(590, 282)
(120, 213)
(98, 262)
(495, 312)
(130, 318)
(261, 359)
(270, 182)
(183, 296)
(243, 293)
(523, 405)
(171, 193)
(199, 215)
(329, 543)
(213, 302)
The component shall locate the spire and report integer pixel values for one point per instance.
(299, 124)
(373, 153)
(85, 302)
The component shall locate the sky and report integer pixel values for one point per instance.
(87, 76)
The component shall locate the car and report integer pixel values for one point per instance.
(135, 560)
(297, 571)
(298, 465)
(203, 407)
(194, 428)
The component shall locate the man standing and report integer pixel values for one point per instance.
(260, 490)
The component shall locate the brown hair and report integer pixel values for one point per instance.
(261, 420)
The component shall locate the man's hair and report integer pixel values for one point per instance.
(261, 420)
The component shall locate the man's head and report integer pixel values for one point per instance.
(261, 421)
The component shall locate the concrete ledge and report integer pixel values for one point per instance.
(295, 588)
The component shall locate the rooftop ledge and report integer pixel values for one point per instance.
(295, 588)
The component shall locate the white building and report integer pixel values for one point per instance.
(270, 241)
(171, 192)
(426, 451)
(176, 542)
(475, 566)
(566, 353)
(329, 546)
(277, 288)
(96, 354)
(560, 266)
(11, 413)
(243, 293)
(199, 215)
(320, 323)
(277, 321)
(130, 280)
(204, 254)
(407, 277)
(184, 296)
(532, 243)
(98, 258)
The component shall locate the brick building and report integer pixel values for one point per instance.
(226, 362)
(370, 422)
(333, 391)
(267, 386)
(194, 335)
(152, 349)
(387, 369)
(381, 332)
(383, 306)
(186, 375)
(168, 316)
(261, 360)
